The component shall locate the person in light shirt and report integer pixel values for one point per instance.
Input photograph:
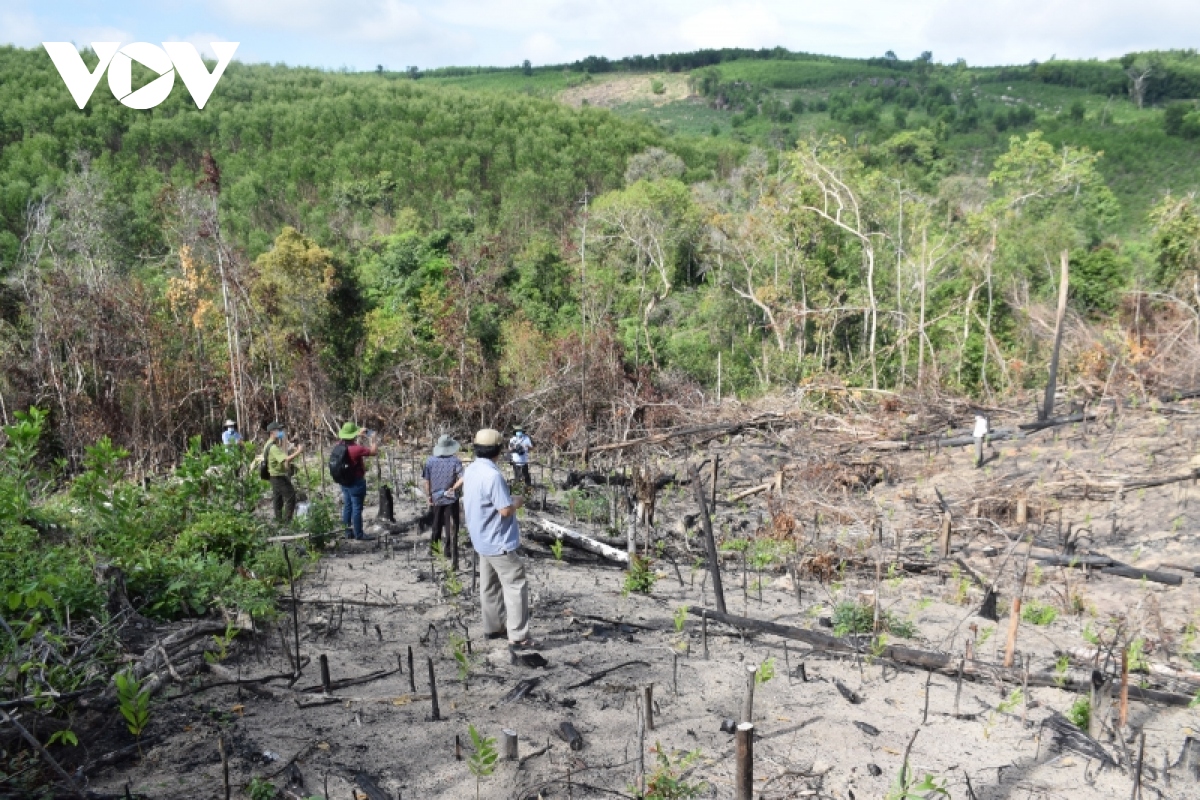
(491, 517)
(230, 435)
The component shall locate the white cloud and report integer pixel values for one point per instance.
(735, 25)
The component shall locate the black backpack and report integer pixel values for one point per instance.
(264, 469)
(340, 465)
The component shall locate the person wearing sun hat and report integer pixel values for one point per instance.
(354, 489)
(491, 513)
(230, 435)
(443, 475)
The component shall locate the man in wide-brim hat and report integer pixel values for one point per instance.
(354, 490)
(279, 455)
(491, 513)
(443, 476)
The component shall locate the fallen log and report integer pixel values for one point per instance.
(1063, 419)
(577, 539)
(1073, 561)
(752, 491)
(1138, 574)
(1092, 656)
(943, 663)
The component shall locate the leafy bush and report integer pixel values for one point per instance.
(1036, 613)
(850, 617)
(640, 578)
(1080, 713)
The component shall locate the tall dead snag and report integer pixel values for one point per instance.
(710, 544)
(1047, 410)
(840, 206)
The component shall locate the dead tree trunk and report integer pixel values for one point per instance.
(1047, 410)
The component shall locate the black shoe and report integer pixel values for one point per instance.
(500, 634)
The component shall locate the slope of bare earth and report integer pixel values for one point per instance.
(852, 498)
(608, 91)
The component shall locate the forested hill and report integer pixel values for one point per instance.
(583, 245)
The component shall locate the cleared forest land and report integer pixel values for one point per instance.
(859, 525)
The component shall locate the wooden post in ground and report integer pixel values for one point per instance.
(748, 697)
(1022, 512)
(510, 744)
(710, 543)
(745, 761)
(946, 534)
(325, 682)
(412, 673)
(648, 705)
(435, 713)
(1047, 409)
(1014, 622)
(1123, 714)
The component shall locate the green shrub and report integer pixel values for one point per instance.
(1036, 613)
(850, 617)
(640, 578)
(1080, 713)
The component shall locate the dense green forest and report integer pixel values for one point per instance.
(421, 247)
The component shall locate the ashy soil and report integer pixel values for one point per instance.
(849, 503)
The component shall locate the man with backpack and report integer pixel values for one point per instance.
(277, 467)
(347, 469)
(518, 448)
(443, 476)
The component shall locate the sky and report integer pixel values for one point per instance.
(360, 34)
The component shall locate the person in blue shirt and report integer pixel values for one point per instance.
(518, 448)
(443, 475)
(491, 516)
(230, 435)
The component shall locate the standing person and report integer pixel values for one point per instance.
(518, 447)
(278, 457)
(492, 522)
(347, 469)
(230, 435)
(443, 474)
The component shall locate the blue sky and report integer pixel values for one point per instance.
(362, 33)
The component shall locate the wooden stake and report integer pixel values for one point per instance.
(436, 712)
(641, 757)
(648, 705)
(710, 543)
(295, 607)
(1014, 622)
(412, 673)
(1123, 713)
(1022, 512)
(748, 697)
(1101, 710)
(745, 761)
(675, 673)
(946, 534)
(510, 744)
(1137, 777)
(325, 682)
(704, 631)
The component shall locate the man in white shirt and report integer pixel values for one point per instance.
(491, 516)
(518, 447)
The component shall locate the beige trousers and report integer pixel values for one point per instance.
(504, 595)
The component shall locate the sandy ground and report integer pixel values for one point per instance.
(811, 741)
(615, 90)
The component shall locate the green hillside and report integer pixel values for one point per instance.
(422, 246)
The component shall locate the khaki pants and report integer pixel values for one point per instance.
(503, 594)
